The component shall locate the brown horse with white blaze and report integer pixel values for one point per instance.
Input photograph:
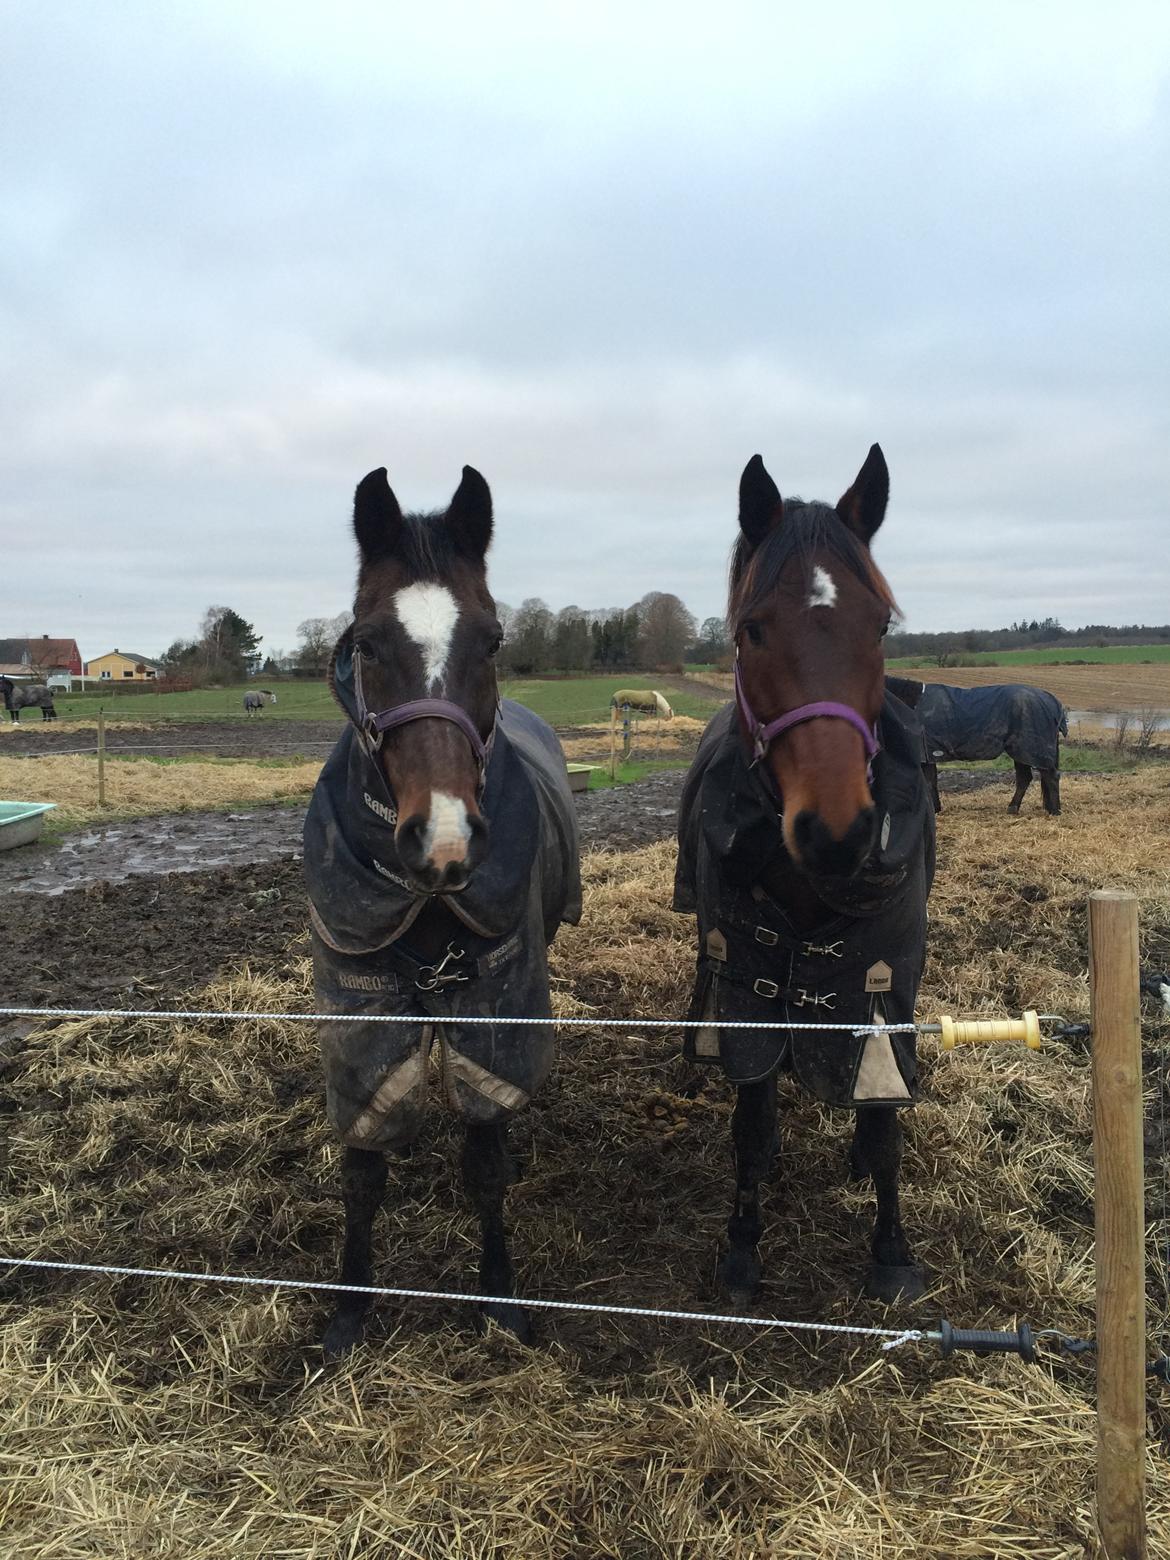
(806, 847)
(441, 856)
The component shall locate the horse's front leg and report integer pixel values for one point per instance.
(877, 1152)
(1050, 790)
(363, 1185)
(753, 1135)
(488, 1171)
(1023, 781)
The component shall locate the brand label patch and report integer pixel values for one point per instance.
(717, 946)
(351, 982)
(879, 976)
(390, 814)
(885, 831)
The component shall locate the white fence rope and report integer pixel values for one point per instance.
(454, 1017)
(894, 1336)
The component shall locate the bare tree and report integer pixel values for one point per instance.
(316, 639)
(1123, 720)
(667, 628)
(1150, 722)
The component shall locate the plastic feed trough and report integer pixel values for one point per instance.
(20, 822)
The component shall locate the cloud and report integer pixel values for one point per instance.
(604, 254)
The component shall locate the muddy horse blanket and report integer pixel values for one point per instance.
(363, 907)
(861, 965)
(971, 723)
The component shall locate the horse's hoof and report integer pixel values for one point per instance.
(512, 1318)
(345, 1331)
(1015, 811)
(890, 1283)
(740, 1273)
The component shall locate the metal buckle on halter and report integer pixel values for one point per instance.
(828, 950)
(814, 999)
(765, 935)
(431, 976)
(765, 988)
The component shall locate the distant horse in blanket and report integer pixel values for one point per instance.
(27, 696)
(441, 855)
(973, 723)
(806, 847)
(255, 700)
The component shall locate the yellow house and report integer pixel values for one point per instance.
(122, 666)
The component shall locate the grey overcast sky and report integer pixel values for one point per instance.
(602, 252)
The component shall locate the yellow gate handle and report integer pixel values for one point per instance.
(988, 1031)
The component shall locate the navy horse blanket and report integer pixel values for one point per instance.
(972, 723)
(363, 907)
(862, 964)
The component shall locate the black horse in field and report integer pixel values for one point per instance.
(27, 696)
(974, 723)
(806, 850)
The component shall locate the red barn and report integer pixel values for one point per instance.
(38, 658)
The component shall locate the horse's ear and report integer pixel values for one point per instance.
(760, 505)
(863, 506)
(469, 515)
(376, 515)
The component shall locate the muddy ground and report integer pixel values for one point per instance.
(138, 910)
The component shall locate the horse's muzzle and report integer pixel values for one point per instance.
(820, 854)
(441, 862)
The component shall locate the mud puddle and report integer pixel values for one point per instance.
(133, 847)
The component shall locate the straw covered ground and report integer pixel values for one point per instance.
(144, 1418)
(142, 786)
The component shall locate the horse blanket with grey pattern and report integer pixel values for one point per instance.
(973, 723)
(27, 696)
(363, 907)
(861, 965)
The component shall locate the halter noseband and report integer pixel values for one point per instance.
(374, 724)
(762, 736)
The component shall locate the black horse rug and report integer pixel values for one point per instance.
(864, 961)
(363, 907)
(973, 723)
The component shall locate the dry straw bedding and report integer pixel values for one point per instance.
(137, 786)
(159, 1419)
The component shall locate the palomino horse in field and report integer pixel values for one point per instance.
(27, 696)
(806, 846)
(441, 855)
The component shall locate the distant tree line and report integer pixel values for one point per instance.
(655, 634)
(1027, 634)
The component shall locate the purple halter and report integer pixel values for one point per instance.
(374, 724)
(762, 736)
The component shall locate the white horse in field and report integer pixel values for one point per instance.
(254, 701)
(644, 700)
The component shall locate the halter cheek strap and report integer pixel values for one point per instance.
(762, 736)
(374, 724)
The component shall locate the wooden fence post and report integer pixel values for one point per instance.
(101, 755)
(1120, 1225)
(613, 742)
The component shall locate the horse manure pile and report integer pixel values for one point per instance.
(162, 1418)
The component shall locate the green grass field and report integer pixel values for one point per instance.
(1083, 655)
(294, 701)
(568, 701)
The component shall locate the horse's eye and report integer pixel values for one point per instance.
(754, 633)
(493, 648)
(885, 629)
(364, 648)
